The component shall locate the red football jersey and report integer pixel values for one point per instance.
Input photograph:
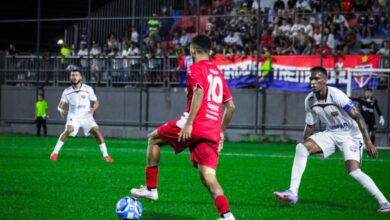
(207, 76)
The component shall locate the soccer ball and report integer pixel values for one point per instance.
(129, 208)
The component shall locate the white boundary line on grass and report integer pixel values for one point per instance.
(130, 150)
(132, 141)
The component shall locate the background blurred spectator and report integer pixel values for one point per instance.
(184, 39)
(384, 49)
(83, 54)
(112, 41)
(153, 23)
(11, 50)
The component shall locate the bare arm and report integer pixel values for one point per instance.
(227, 117)
(61, 109)
(95, 106)
(228, 114)
(309, 130)
(197, 97)
(355, 115)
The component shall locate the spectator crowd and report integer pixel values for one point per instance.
(285, 27)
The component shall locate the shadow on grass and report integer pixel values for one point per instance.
(302, 204)
(164, 216)
(330, 204)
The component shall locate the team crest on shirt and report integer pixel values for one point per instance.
(353, 148)
(335, 114)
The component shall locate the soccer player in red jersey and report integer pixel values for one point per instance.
(200, 128)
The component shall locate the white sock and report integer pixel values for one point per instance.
(369, 185)
(103, 149)
(299, 165)
(58, 146)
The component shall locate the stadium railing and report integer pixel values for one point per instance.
(101, 70)
(118, 71)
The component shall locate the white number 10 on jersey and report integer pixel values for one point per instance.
(215, 89)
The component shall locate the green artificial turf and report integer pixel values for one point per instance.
(81, 185)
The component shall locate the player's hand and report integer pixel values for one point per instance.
(220, 146)
(63, 113)
(371, 151)
(185, 133)
(92, 111)
(381, 120)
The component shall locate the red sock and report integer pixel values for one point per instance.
(222, 204)
(151, 177)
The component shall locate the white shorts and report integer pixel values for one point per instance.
(349, 144)
(87, 122)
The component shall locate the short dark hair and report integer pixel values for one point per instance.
(201, 43)
(319, 69)
(75, 70)
(368, 89)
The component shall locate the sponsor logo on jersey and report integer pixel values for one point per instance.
(83, 96)
(367, 109)
(335, 113)
(344, 125)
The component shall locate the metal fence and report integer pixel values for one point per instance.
(99, 71)
(108, 71)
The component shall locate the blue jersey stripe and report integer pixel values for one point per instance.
(348, 106)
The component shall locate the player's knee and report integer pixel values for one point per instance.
(153, 138)
(152, 141)
(352, 166)
(207, 175)
(153, 134)
(302, 150)
(69, 130)
(94, 130)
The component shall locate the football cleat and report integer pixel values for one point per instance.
(385, 207)
(108, 159)
(287, 196)
(53, 156)
(227, 216)
(144, 192)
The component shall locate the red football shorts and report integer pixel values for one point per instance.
(202, 151)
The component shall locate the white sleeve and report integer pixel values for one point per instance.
(92, 95)
(64, 98)
(342, 100)
(310, 117)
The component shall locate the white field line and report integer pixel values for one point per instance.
(130, 150)
(136, 141)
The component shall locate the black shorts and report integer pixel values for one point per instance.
(370, 121)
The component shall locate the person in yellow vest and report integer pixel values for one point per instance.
(41, 115)
(64, 51)
(267, 66)
(153, 23)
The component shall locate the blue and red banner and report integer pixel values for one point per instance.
(288, 72)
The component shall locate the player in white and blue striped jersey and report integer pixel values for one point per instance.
(345, 130)
(79, 97)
